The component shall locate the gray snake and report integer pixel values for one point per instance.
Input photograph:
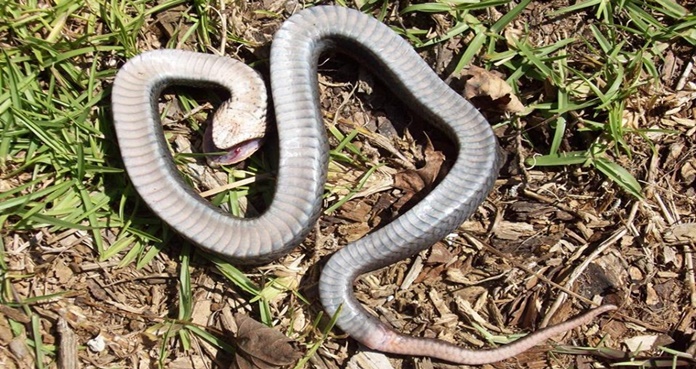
(303, 160)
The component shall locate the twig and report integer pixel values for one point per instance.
(653, 172)
(585, 216)
(688, 251)
(687, 71)
(665, 212)
(579, 270)
(520, 159)
(223, 27)
(672, 216)
(67, 358)
(483, 246)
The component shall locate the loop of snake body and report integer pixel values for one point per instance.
(303, 160)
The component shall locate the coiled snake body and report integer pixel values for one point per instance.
(303, 159)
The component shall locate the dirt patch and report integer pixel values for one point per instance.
(544, 245)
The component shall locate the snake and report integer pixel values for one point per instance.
(303, 154)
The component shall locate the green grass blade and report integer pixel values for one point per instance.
(235, 275)
(619, 175)
(568, 158)
(472, 49)
(505, 20)
(185, 290)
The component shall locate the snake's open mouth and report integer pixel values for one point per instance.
(236, 153)
(233, 155)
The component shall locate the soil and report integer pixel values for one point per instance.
(546, 244)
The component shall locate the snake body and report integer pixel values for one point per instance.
(303, 159)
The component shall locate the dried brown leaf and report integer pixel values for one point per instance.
(97, 291)
(688, 171)
(354, 231)
(356, 211)
(681, 232)
(640, 343)
(486, 84)
(433, 163)
(411, 182)
(439, 254)
(62, 272)
(261, 347)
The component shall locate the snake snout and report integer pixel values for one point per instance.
(237, 130)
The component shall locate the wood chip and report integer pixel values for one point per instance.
(369, 360)
(67, 355)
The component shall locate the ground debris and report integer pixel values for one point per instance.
(261, 347)
(546, 244)
(490, 91)
(369, 360)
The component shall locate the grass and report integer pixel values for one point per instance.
(59, 164)
(596, 98)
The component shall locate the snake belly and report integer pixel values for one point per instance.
(303, 160)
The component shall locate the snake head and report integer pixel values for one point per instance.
(237, 130)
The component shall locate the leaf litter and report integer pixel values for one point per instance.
(261, 347)
(541, 223)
